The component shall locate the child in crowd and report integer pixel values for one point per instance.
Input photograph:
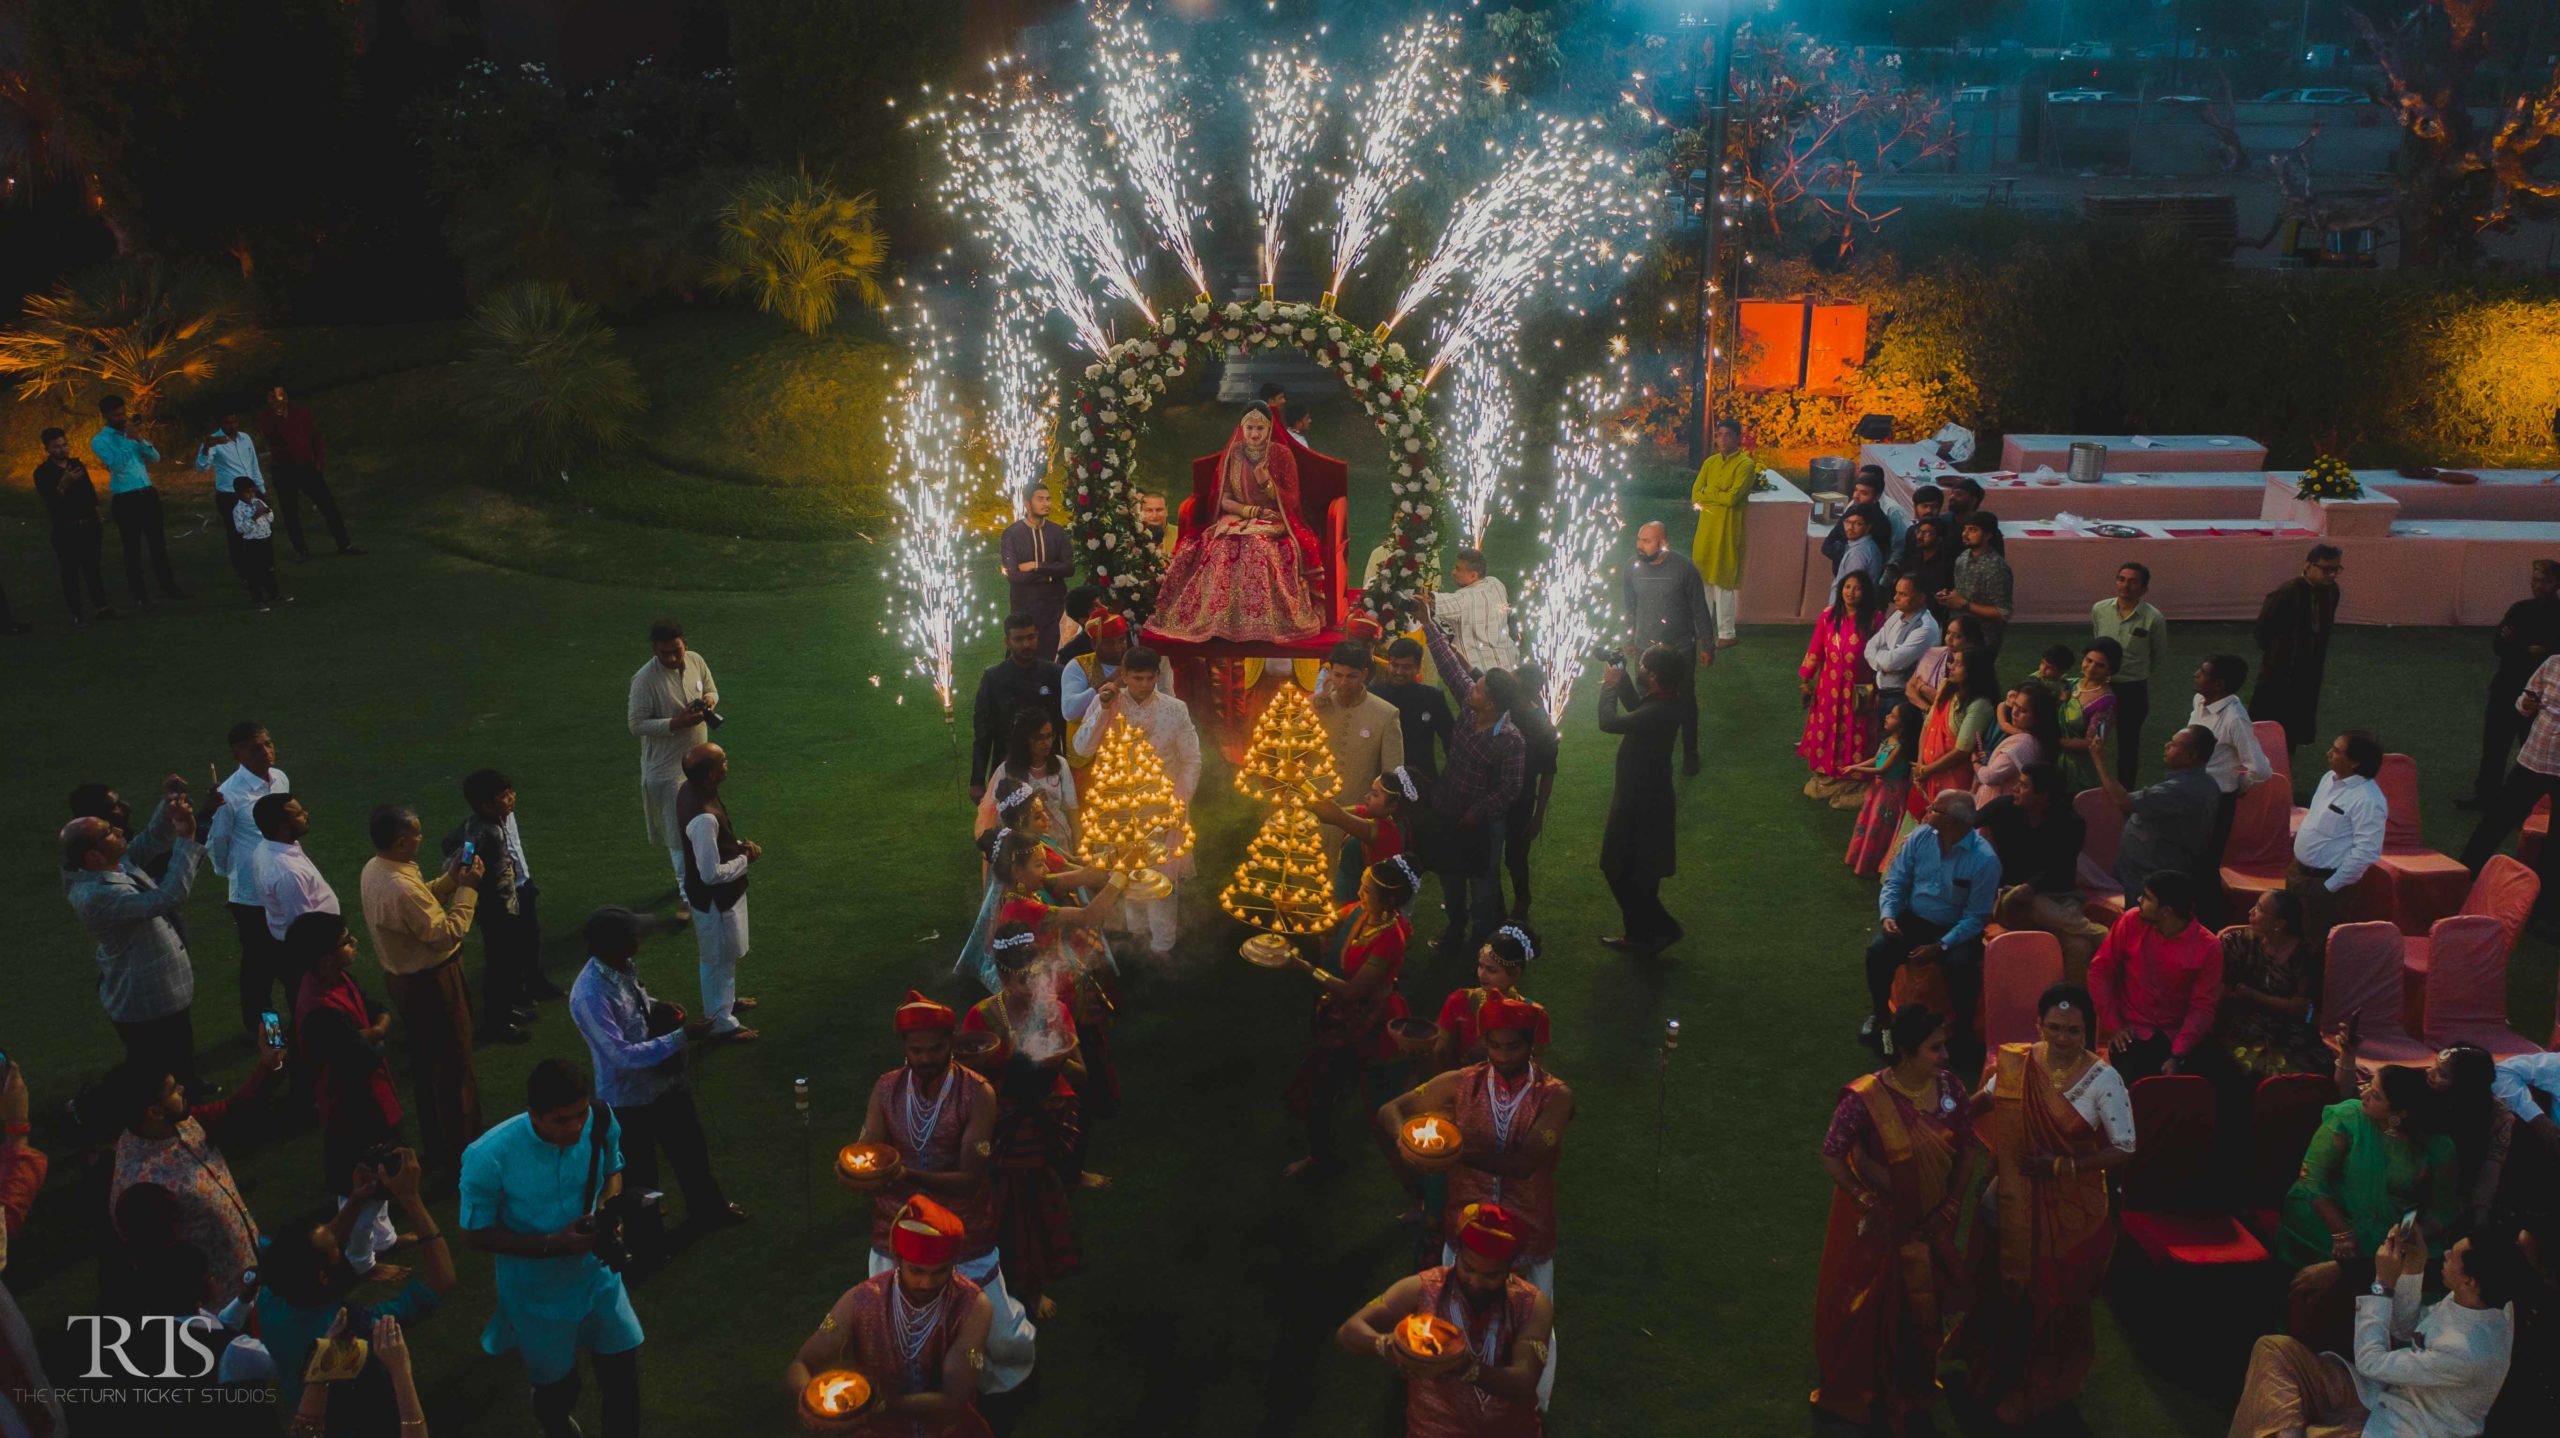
(1888, 778)
(2053, 671)
(255, 522)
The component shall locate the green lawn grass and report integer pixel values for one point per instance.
(493, 626)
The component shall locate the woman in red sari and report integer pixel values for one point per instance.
(1241, 571)
(1900, 1152)
(1951, 737)
(1352, 1048)
(2054, 1118)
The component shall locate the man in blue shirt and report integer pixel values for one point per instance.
(132, 500)
(642, 1075)
(1937, 896)
(529, 1189)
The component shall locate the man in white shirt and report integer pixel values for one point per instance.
(231, 843)
(2341, 835)
(1135, 698)
(2529, 1085)
(670, 710)
(2430, 1374)
(1909, 631)
(289, 884)
(1083, 676)
(713, 882)
(1477, 614)
(2239, 763)
(228, 454)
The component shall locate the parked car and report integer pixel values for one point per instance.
(1977, 95)
(2314, 95)
(2077, 97)
(2089, 50)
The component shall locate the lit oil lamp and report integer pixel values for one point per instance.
(1431, 1343)
(837, 1396)
(1430, 1142)
(868, 1166)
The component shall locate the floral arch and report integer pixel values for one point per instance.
(1103, 416)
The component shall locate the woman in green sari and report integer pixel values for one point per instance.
(2088, 712)
(2371, 1162)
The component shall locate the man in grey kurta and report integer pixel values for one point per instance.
(1667, 604)
(672, 698)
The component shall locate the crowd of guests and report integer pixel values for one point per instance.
(262, 469)
(2425, 1178)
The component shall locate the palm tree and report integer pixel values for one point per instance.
(144, 330)
(546, 380)
(795, 243)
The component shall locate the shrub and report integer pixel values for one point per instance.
(794, 243)
(546, 382)
(143, 330)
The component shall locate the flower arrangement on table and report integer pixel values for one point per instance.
(2328, 478)
(1101, 419)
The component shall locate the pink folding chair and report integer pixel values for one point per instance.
(2098, 851)
(2271, 739)
(2164, 1204)
(2467, 987)
(2254, 860)
(2017, 967)
(2506, 890)
(2422, 885)
(2363, 976)
(2537, 827)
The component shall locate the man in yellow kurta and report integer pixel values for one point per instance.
(1723, 488)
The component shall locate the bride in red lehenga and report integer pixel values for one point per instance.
(1241, 571)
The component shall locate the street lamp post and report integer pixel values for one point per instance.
(1719, 108)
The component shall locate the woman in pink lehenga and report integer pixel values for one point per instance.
(1241, 571)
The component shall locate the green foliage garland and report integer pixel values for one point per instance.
(1100, 424)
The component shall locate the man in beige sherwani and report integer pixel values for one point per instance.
(672, 699)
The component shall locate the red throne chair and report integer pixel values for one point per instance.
(1323, 502)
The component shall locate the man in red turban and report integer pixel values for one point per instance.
(941, 1118)
(1088, 676)
(917, 1331)
(1506, 1323)
(1512, 1114)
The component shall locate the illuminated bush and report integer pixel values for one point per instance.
(145, 331)
(796, 245)
(2498, 379)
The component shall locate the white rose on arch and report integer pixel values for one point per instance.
(1200, 310)
(1264, 310)
(1177, 347)
(1395, 351)
(1413, 446)
(1235, 311)
(1128, 376)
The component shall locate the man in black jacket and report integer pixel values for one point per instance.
(2528, 635)
(1639, 846)
(79, 538)
(1021, 677)
(1667, 605)
(1038, 557)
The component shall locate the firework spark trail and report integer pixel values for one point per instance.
(1419, 89)
(1149, 130)
(985, 185)
(1566, 592)
(1482, 442)
(1022, 396)
(1573, 229)
(1288, 119)
(1548, 200)
(930, 592)
(1020, 169)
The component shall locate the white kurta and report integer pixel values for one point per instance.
(658, 695)
(721, 932)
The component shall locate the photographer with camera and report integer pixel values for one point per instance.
(304, 1284)
(542, 1192)
(638, 1043)
(673, 697)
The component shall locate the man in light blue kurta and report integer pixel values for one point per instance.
(524, 1191)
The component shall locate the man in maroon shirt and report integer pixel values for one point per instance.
(293, 449)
